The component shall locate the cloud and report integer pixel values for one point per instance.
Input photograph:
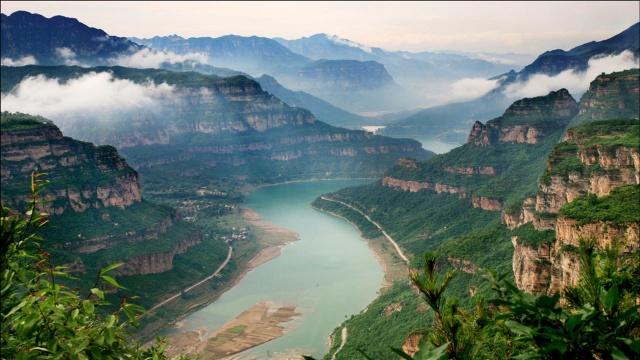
(67, 55)
(471, 88)
(576, 82)
(27, 60)
(148, 58)
(90, 93)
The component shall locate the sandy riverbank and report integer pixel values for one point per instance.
(260, 323)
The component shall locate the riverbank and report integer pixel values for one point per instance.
(384, 261)
(273, 239)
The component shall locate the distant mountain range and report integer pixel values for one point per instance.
(450, 121)
(323, 69)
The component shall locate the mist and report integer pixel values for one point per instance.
(149, 58)
(90, 93)
(27, 60)
(575, 81)
(471, 88)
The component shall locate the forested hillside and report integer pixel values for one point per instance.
(457, 204)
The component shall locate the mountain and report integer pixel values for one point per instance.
(515, 198)
(453, 203)
(357, 86)
(595, 166)
(343, 83)
(331, 47)
(321, 109)
(556, 61)
(452, 118)
(254, 55)
(610, 96)
(448, 65)
(93, 185)
(425, 77)
(58, 40)
(221, 128)
(30, 39)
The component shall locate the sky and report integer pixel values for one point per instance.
(489, 27)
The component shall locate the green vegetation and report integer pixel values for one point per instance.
(600, 321)
(611, 96)
(41, 318)
(622, 205)
(599, 136)
(18, 121)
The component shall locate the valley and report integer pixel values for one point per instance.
(272, 198)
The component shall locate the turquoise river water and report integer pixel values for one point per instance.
(329, 274)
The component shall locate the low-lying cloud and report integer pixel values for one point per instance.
(575, 81)
(23, 61)
(149, 58)
(471, 88)
(90, 93)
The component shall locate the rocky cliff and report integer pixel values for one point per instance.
(484, 168)
(206, 122)
(82, 176)
(611, 96)
(93, 197)
(593, 162)
(521, 123)
(344, 75)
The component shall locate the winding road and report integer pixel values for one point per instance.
(199, 282)
(395, 245)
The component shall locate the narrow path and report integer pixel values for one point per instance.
(344, 341)
(199, 282)
(395, 245)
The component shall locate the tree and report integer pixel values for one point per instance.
(596, 319)
(42, 319)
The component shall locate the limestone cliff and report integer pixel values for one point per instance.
(414, 186)
(82, 176)
(204, 122)
(595, 161)
(521, 123)
(344, 75)
(94, 198)
(584, 163)
(611, 96)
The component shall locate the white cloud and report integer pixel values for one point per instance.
(23, 61)
(67, 55)
(471, 88)
(91, 93)
(148, 58)
(576, 82)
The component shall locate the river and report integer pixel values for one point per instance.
(329, 274)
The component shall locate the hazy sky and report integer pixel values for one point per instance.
(499, 27)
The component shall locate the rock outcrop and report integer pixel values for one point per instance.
(521, 121)
(594, 160)
(82, 176)
(85, 179)
(611, 96)
(414, 186)
(214, 121)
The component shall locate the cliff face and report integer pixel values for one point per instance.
(344, 75)
(594, 160)
(576, 168)
(93, 197)
(519, 123)
(611, 96)
(153, 263)
(45, 149)
(414, 186)
(212, 121)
